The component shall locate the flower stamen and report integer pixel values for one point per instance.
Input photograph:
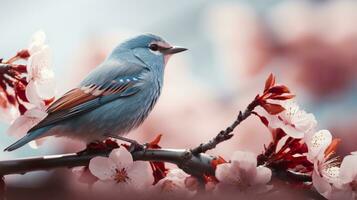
(121, 175)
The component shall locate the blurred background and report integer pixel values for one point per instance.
(311, 46)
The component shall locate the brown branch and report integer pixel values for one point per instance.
(4, 68)
(227, 133)
(196, 165)
(291, 176)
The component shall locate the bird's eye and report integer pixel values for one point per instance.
(154, 47)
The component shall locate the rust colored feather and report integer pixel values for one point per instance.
(70, 99)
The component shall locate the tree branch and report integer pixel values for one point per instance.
(291, 176)
(196, 165)
(227, 133)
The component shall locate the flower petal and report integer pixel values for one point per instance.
(321, 184)
(263, 176)
(39, 61)
(121, 157)
(102, 167)
(38, 113)
(338, 194)
(246, 160)
(348, 169)
(177, 173)
(105, 186)
(318, 144)
(140, 175)
(37, 143)
(37, 41)
(46, 88)
(25, 122)
(306, 122)
(19, 127)
(293, 132)
(225, 174)
(32, 94)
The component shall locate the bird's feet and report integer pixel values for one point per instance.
(134, 145)
(99, 146)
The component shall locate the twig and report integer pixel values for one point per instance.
(291, 176)
(227, 133)
(4, 68)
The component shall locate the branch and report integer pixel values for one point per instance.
(227, 133)
(196, 165)
(291, 176)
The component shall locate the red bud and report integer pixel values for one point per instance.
(273, 109)
(282, 97)
(279, 89)
(24, 54)
(269, 82)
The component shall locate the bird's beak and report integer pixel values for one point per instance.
(173, 50)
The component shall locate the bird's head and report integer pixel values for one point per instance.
(150, 49)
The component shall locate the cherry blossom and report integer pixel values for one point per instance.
(7, 111)
(242, 172)
(83, 175)
(37, 42)
(293, 121)
(321, 148)
(40, 76)
(176, 182)
(317, 144)
(119, 172)
(25, 122)
(346, 186)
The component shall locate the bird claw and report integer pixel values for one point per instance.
(135, 146)
(99, 146)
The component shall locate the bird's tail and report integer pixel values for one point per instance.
(27, 138)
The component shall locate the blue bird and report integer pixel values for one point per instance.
(114, 98)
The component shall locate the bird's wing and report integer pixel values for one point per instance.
(93, 94)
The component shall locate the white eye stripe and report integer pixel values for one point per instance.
(155, 52)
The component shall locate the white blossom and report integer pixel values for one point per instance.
(119, 172)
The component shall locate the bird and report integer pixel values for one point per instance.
(113, 99)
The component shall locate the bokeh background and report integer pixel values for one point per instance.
(311, 46)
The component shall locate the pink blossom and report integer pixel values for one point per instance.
(293, 121)
(40, 75)
(346, 187)
(83, 175)
(242, 172)
(175, 183)
(317, 144)
(8, 112)
(119, 172)
(25, 122)
(326, 170)
(37, 43)
(323, 178)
